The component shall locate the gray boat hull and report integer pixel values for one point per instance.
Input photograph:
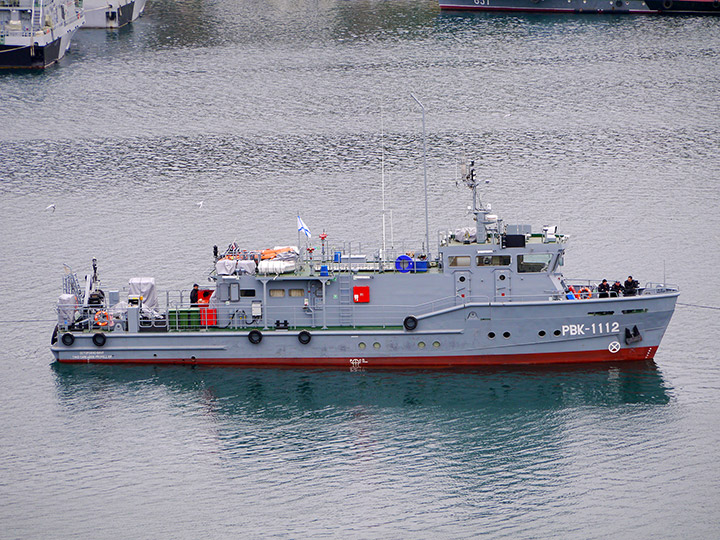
(473, 334)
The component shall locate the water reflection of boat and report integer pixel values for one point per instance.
(234, 391)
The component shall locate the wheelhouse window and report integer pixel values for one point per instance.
(492, 260)
(534, 262)
(296, 292)
(277, 293)
(455, 261)
(247, 292)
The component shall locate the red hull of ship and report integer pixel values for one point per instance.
(426, 362)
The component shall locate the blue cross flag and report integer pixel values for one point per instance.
(302, 228)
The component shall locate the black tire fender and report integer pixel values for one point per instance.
(67, 339)
(304, 337)
(99, 339)
(410, 323)
(255, 336)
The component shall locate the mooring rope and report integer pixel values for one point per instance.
(697, 305)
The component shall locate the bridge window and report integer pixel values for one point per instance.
(534, 262)
(247, 292)
(296, 292)
(277, 293)
(458, 260)
(492, 260)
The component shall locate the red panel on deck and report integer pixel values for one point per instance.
(361, 295)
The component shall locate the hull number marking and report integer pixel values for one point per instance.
(594, 328)
(357, 361)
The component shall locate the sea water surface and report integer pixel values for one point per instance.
(607, 126)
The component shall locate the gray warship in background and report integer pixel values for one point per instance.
(669, 7)
(492, 294)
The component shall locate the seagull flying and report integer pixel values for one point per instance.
(51, 207)
(199, 205)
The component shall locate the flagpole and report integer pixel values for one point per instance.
(427, 226)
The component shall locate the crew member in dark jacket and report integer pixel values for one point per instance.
(616, 288)
(631, 286)
(604, 289)
(194, 295)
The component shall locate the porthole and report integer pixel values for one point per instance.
(506, 335)
(376, 345)
(462, 279)
(436, 344)
(541, 333)
(361, 345)
(556, 332)
(502, 277)
(491, 335)
(421, 345)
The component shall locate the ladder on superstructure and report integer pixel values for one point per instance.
(36, 16)
(346, 307)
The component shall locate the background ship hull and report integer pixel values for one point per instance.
(98, 14)
(589, 6)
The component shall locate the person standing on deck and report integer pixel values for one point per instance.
(194, 295)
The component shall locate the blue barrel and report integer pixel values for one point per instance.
(421, 266)
(324, 271)
(338, 257)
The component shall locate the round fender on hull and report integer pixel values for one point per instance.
(67, 339)
(255, 336)
(99, 339)
(410, 323)
(304, 337)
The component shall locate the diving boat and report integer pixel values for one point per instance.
(489, 294)
(112, 14)
(37, 33)
(669, 7)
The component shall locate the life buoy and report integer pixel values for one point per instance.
(572, 291)
(585, 293)
(404, 264)
(67, 339)
(103, 318)
(410, 323)
(99, 339)
(304, 337)
(255, 336)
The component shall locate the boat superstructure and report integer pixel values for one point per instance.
(492, 293)
(112, 13)
(670, 7)
(37, 33)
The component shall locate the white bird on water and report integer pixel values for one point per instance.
(199, 205)
(51, 207)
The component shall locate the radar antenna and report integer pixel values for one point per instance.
(482, 214)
